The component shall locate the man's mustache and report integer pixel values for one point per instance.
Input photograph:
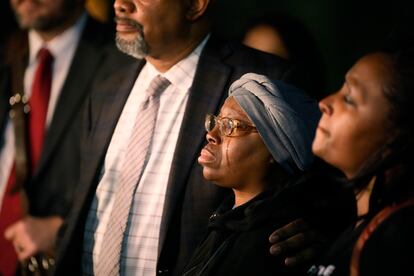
(127, 21)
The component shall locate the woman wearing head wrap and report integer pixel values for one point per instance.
(258, 146)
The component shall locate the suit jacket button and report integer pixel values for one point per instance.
(162, 271)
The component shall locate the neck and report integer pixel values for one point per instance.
(163, 62)
(243, 196)
(363, 197)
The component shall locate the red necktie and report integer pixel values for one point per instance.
(11, 208)
(39, 100)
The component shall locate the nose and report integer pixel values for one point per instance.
(213, 136)
(124, 6)
(325, 105)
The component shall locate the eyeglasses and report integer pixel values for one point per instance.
(227, 126)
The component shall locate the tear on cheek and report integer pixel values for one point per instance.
(228, 163)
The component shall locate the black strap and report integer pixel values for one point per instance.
(370, 228)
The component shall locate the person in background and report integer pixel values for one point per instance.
(260, 146)
(52, 62)
(282, 35)
(366, 131)
(143, 206)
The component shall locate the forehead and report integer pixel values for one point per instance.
(370, 75)
(232, 109)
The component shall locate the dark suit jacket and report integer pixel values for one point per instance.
(190, 199)
(51, 188)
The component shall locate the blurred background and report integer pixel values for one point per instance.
(342, 30)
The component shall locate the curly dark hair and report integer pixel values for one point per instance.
(393, 163)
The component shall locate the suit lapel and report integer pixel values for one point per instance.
(103, 112)
(85, 63)
(206, 95)
(106, 110)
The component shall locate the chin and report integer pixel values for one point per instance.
(208, 176)
(318, 145)
(315, 149)
(221, 184)
(212, 177)
(134, 45)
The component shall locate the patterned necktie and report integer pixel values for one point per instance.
(11, 209)
(136, 155)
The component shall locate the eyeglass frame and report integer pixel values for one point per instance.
(235, 125)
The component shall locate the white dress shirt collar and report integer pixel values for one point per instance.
(181, 75)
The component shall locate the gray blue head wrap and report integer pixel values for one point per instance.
(285, 117)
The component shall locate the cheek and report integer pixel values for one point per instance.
(348, 146)
(244, 158)
(231, 155)
(366, 142)
(333, 140)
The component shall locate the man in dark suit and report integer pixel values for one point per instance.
(167, 37)
(83, 51)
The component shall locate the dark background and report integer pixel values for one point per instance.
(343, 30)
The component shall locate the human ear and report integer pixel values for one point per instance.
(196, 8)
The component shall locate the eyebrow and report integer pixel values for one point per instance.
(356, 87)
(234, 115)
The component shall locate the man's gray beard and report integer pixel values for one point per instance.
(137, 48)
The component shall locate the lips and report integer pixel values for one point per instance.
(127, 25)
(206, 156)
(323, 130)
(125, 28)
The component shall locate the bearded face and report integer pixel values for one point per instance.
(44, 15)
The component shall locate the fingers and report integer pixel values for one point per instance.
(10, 231)
(289, 245)
(289, 230)
(295, 243)
(19, 235)
(303, 257)
(293, 249)
(24, 249)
